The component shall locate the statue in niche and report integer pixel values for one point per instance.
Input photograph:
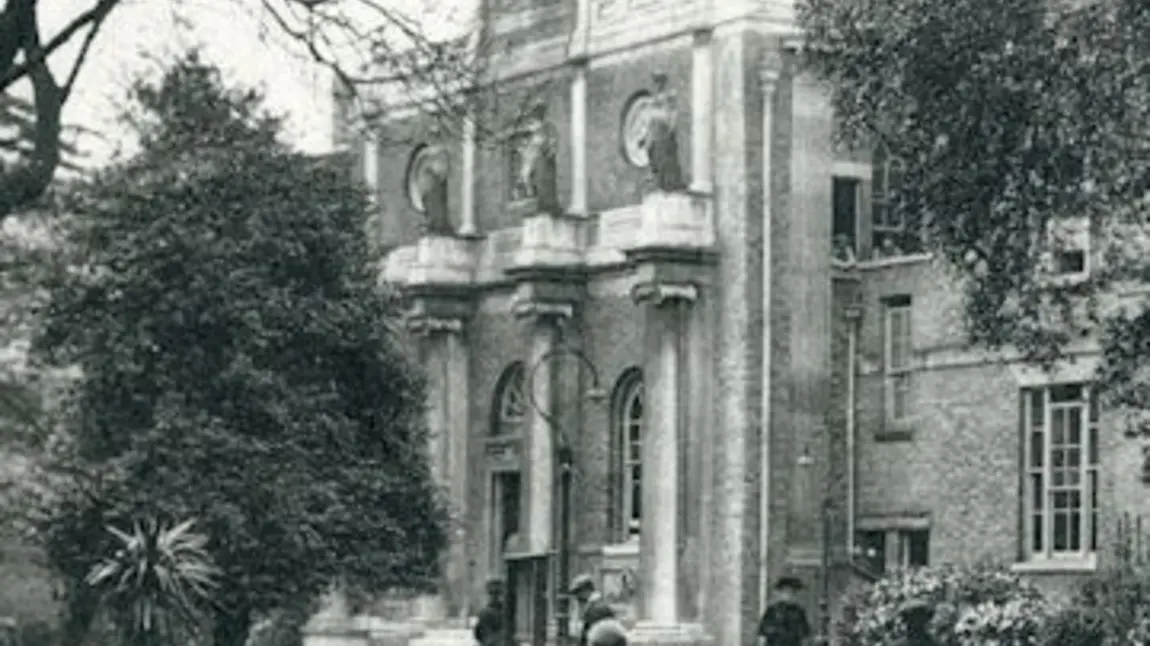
(535, 171)
(429, 177)
(661, 140)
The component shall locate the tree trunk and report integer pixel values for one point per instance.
(231, 627)
(80, 609)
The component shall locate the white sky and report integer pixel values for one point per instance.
(141, 31)
(230, 34)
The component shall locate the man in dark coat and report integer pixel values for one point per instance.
(592, 607)
(785, 622)
(489, 626)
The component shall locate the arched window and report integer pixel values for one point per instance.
(510, 408)
(629, 426)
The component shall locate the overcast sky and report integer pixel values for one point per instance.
(235, 35)
(140, 31)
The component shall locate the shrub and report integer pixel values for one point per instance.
(968, 607)
(1075, 626)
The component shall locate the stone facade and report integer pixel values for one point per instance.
(765, 353)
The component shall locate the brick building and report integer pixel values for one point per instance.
(787, 386)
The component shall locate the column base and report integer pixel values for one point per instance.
(646, 633)
(335, 632)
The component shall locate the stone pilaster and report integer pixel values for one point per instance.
(809, 286)
(439, 284)
(702, 93)
(769, 72)
(445, 360)
(673, 260)
(467, 225)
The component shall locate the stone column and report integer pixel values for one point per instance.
(445, 359)
(541, 473)
(769, 72)
(467, 224)
(809, 286)
(661, 542)
(702, 95)
(578, 203)
(370, 165)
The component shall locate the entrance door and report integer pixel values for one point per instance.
(506, 511)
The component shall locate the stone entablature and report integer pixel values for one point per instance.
(662, 221)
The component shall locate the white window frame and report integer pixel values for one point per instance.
(1067, 234)
(881, 201)
(1087, 473)
(630, 455)
(897, 378)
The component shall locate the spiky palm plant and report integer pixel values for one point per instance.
(157, 582)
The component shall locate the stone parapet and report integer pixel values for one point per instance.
(550, 241)
(675, 221)
(441, 261)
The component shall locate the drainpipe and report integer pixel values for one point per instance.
(854, 317)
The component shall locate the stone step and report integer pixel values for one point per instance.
(444, 637)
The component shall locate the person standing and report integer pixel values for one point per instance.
(490, 628)
(592, 607)
(785, 622)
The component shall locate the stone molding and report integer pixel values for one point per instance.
(678, 220)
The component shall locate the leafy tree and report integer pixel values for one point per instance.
(1012, 118)
(364, 43)
(238, 364)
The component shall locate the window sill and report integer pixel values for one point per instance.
(625, 549)
(900, 432)
(1083, 565)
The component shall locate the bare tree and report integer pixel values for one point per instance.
(369, 46)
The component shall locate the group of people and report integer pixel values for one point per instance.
(783, 624)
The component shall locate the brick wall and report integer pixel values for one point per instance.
(961, 462)
(492, 181)
(613, 181)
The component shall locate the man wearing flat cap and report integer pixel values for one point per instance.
(785, 622)
(592, 608)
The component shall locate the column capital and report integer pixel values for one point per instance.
(657, 293)
(428, 325)
(771, 69)
(523, 309)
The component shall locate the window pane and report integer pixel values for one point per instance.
(1037, 409)
(918, 548)
(1037, 450)
(872, 544)
(1075, 420)
(1093, 405)
(1066, 393)
(1038, 495)
(1074, 540)
(1061, 532)
(1057, 427)
(1036, 533)
(1093, 444)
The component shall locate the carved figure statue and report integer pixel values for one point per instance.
(661, 140)
(535, 175)
(431, 171)
(432, 186)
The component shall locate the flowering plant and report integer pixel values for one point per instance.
(967, 607)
